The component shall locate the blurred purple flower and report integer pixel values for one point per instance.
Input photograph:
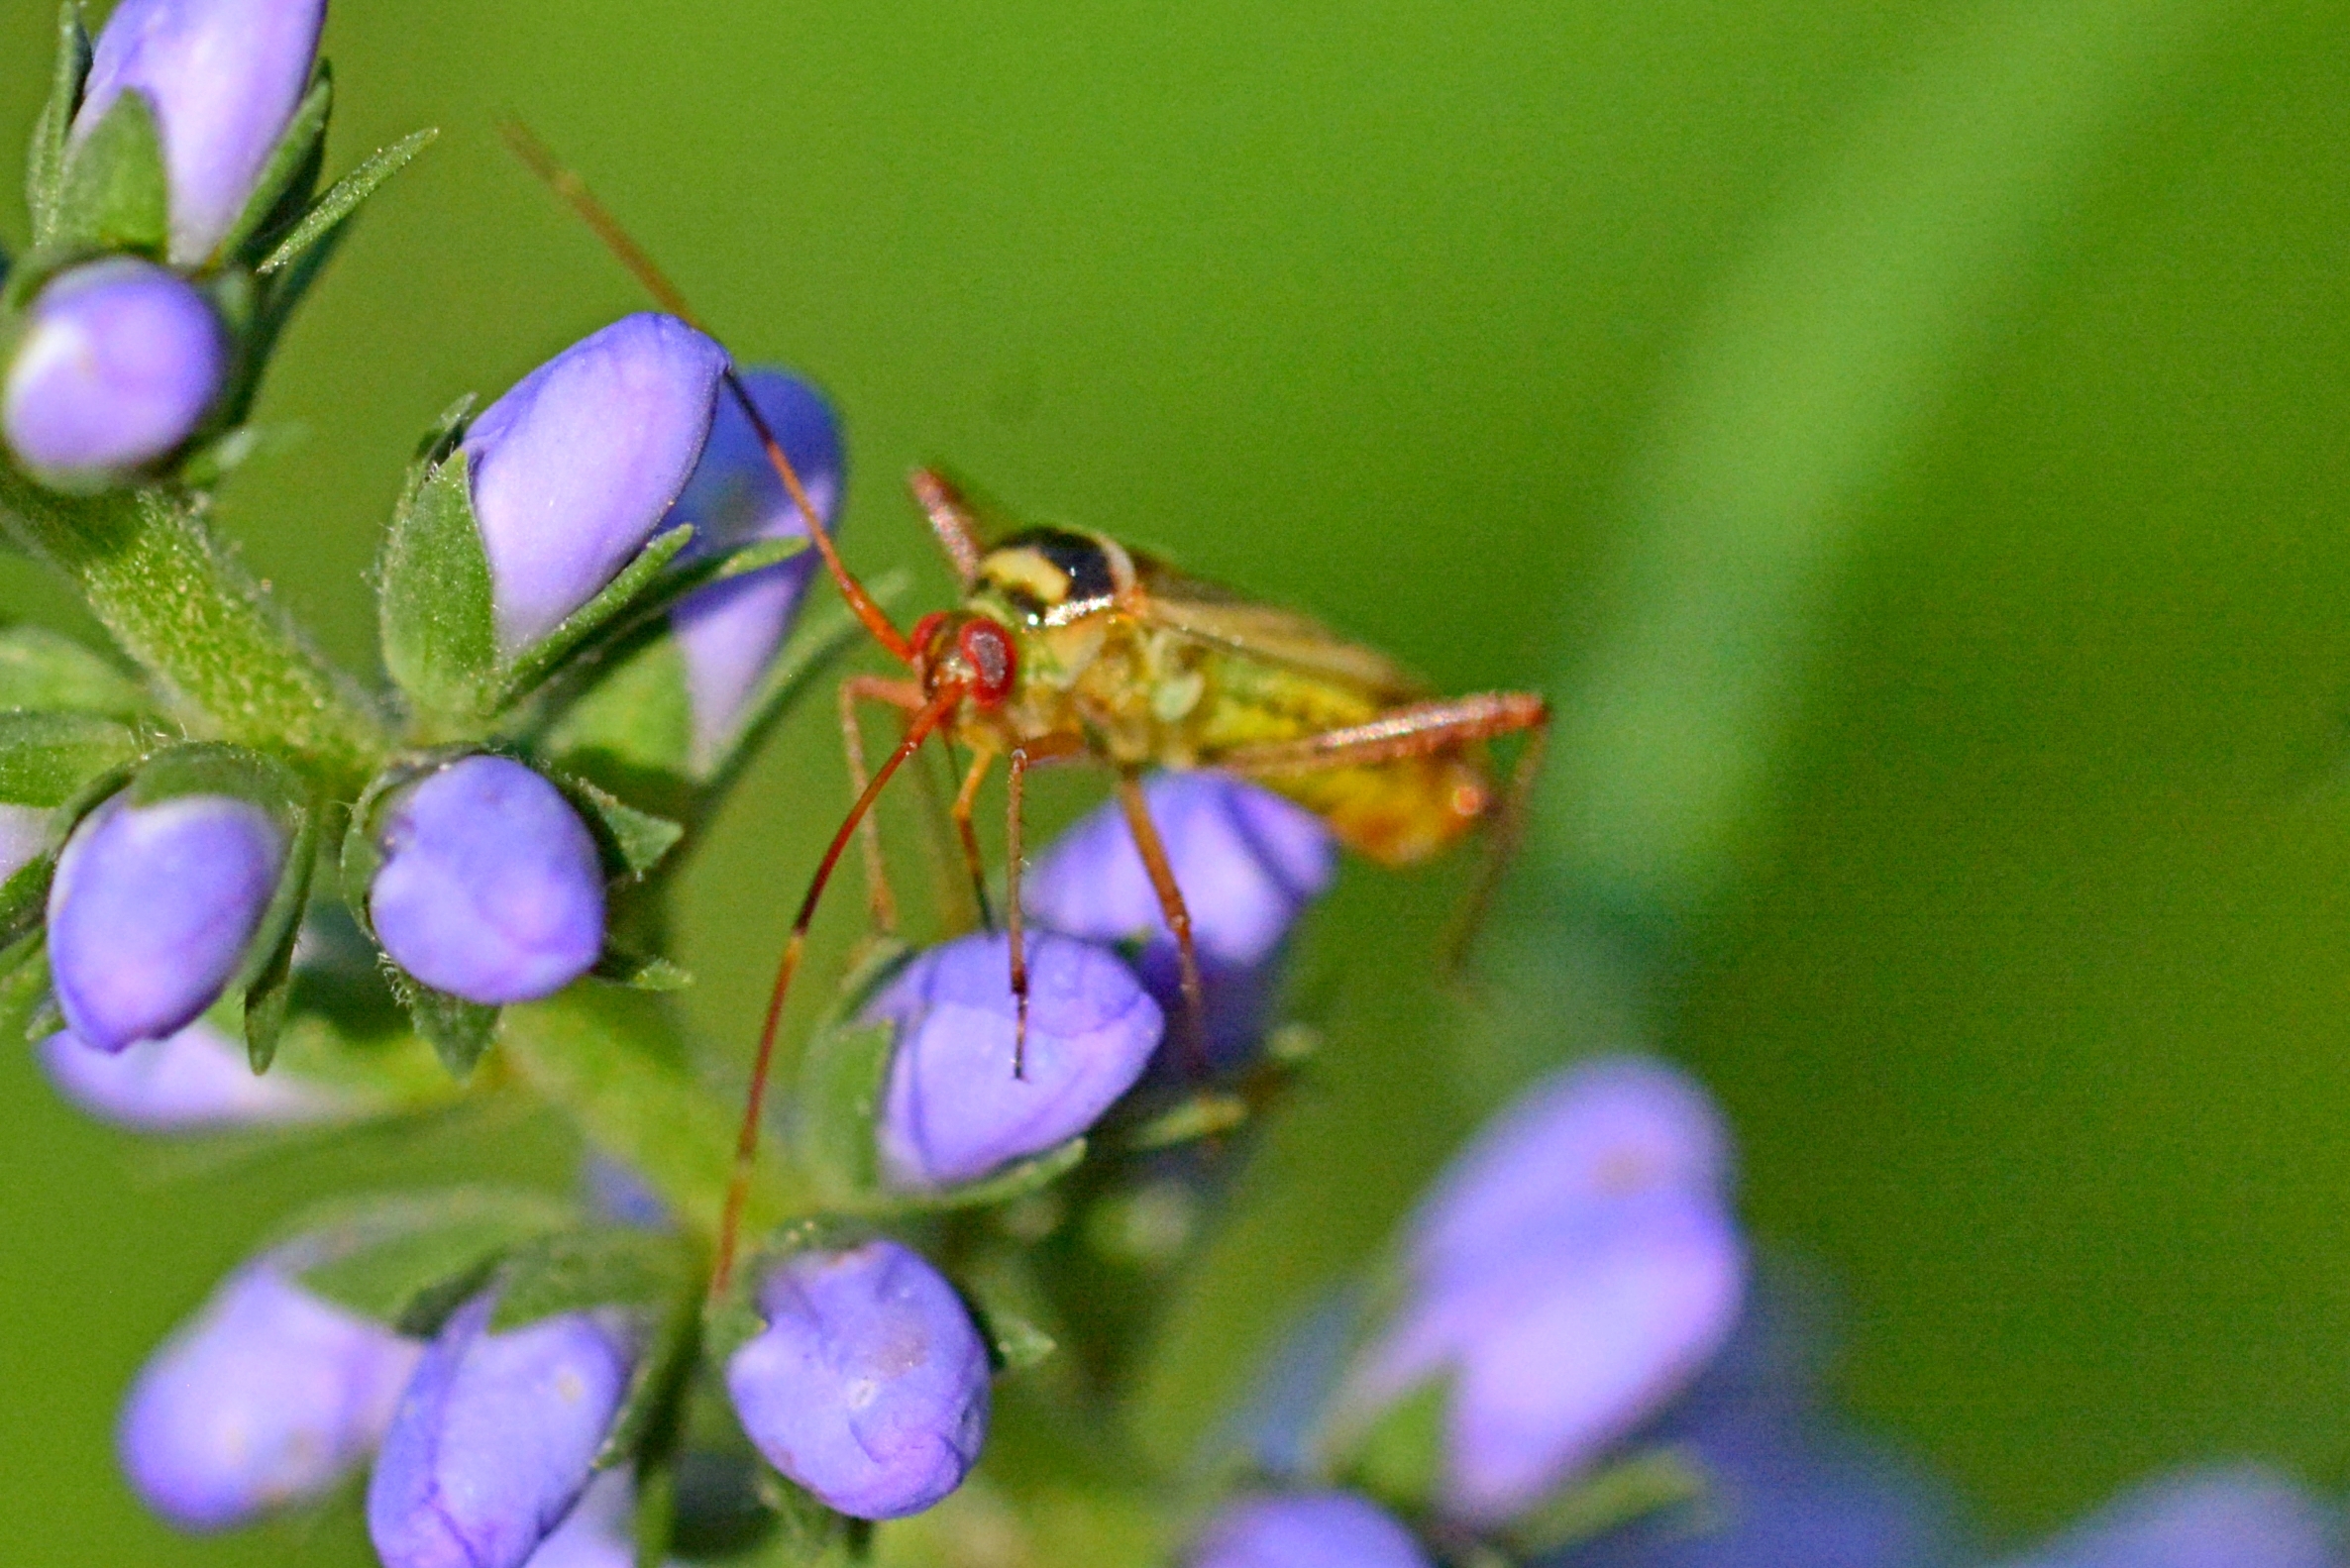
(118, 364)
(954, 1110)
(2224, 1516)
(268, 1397)
(151, 911)
(1248, 863)
(869, 1385)
(196, 1081)
(1566, 1278)
(1304, 1529)
(616, 1192)
(729, 632)
(223, 78)
(491, 886)
(24, 834)
(574, 466)
(597, 1533)
(496, 1437)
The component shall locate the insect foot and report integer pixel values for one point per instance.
(954, 1110)
(269, 1398)
(154, 910)
(119, 364)
(490, 887)
(869, 1383)
(497, 1435)
(1304, 1529)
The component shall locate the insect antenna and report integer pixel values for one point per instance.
(746, 1147)
(572, 192)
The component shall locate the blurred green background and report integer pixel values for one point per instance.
(1908, 440)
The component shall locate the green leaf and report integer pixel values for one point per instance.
(38, 668)
(45, 170)
(632, 841)
(291, 173)
(530, 667)
(633, 728)
(410, 1260)
(342, 201)
(46, 759)
(638, 972)
(439, 640)
(115, 196)
(604, 1266)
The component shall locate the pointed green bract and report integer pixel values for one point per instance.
(115, 196)
(342, 201)
(291, 176)
(434, 600)
(44, 168)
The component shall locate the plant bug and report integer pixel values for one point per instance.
(1070, 646)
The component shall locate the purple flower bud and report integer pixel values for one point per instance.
(2235, 1517)
(268, 1397)
(223, 78)
(953, 1109)
(151, 911)
(869, 1385)
(196, 1081)
(574, 466)
(496, 1437)
(491, 886)
(597, 1533)
(1304, 1529)
(1248, 863)
(24, 834)
(1569, 1277)
(729, 632)
(118, 364)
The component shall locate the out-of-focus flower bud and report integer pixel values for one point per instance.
(2233, 1516)
(1571, 1277)
(596, 1533)
(869, 1385)
(955, 1110)
(729, 632)
(118, 364)
(24, 834)
(1248, 863)
(151, 911)
(268, 1397)
(223, 78)
(496, 1437)
(574, 466)
(491, 886)
(1304, 1529)
(196, 1081)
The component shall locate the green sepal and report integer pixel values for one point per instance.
(461, 1032)
(23, 985)
(23, 897)
(213, 768)
(1207, 1114)
(342, 201)
(632, 842)
(1598, 1501)
(433, 601)
(47, 759)
(291, 175)
(409, 1261)
(1014, 1182)
(807, 1534)
(530, 667)
(1399, 1456)
(1009, 1329)
(45, 168)
(115, 196)
(617, 966)
(266, 977)
(38, 668)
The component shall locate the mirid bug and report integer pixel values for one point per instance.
(1069, 646)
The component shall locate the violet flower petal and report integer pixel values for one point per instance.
(2223, 1517)
(869, 1385)
(151, 911)
(953, 1109)
(491, 886)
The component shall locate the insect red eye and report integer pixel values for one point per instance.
(988, 652)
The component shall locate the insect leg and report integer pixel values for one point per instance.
(1510, 816)
(1015, 786)
(746, 1146)
(574, 192)
(965, 799)
(951, 519)
(1162, 882)
(906, 697)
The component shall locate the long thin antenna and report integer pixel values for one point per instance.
(746, 1147)
(574, 192)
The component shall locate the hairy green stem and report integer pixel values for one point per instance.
(181, 604)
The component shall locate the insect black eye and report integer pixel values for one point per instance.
(988, 651)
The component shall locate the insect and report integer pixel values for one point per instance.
(1069, 646)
